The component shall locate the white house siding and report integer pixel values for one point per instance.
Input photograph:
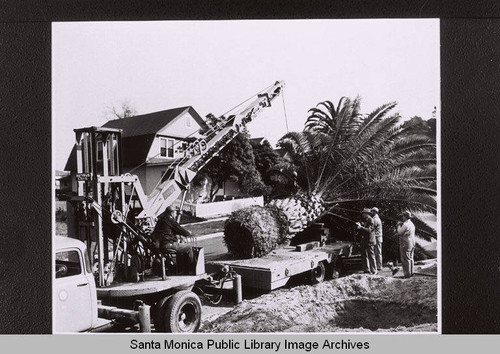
(177, 130)
(201, 193)
(222, 208)
(230, 189)
(178, 127)
(149, 177)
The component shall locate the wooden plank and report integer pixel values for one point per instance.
(274, 270)
(306, 246)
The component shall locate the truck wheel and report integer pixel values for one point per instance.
(318, 273)
(183, 312)
(157, 313)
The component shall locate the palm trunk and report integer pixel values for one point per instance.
(256, 231)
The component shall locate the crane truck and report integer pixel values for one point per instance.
(113, 215)
(129, 280)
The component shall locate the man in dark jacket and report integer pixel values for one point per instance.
(165, 239)
(368, 240)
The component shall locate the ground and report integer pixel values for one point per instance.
(355, 303)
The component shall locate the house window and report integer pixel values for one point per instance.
(167, 148)
(188, 121)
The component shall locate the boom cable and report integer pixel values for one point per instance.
(284, 109)
(208, 135)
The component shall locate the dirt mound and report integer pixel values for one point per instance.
(430, 269)
(355, 303)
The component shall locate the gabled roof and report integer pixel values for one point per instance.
(151, 123)
(138, 133)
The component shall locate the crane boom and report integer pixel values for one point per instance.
(203, 149)
(104, 191)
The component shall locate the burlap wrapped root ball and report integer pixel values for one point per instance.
(255, 231)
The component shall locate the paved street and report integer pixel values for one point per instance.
(213, 247)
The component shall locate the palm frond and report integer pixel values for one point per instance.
(375, 116)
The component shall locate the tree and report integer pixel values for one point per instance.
(265, 158)
(417, 125)
(235, 162)
(125, 110)
(345, 161)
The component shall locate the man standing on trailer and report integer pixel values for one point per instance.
(378, 237)
(165, 239)
(367, 228)
(406, 233)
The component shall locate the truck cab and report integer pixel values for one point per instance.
(74, 292)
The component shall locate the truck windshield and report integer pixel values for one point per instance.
(68, 264)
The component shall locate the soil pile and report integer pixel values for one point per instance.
(356, 303)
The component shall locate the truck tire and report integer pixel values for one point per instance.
(318, 273)
(182, 313)
(157, 314)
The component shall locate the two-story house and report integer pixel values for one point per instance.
(152, 142)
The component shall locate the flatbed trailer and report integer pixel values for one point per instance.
(277, 268)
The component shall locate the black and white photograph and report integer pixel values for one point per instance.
(246, 176)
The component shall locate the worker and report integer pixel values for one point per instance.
(406, 233)
(367, 228)
(165, 239)
(378, 237)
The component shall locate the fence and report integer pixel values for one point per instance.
(208, 210)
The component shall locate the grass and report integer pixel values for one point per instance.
(187, 219)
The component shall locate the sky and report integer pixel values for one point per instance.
(215, 65)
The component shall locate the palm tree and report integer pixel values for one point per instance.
(345, 161)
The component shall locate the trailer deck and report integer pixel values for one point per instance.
(275, 269)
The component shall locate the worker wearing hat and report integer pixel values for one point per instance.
(378, 237)
(406, 233)
(165, 239)
(367, 228)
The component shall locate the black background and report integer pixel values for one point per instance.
(470, 139)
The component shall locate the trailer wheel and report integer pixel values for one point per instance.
(336, 270)
(318, 273)
(183, 312)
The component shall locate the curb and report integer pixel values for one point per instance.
(206, 221)
(209, 236)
